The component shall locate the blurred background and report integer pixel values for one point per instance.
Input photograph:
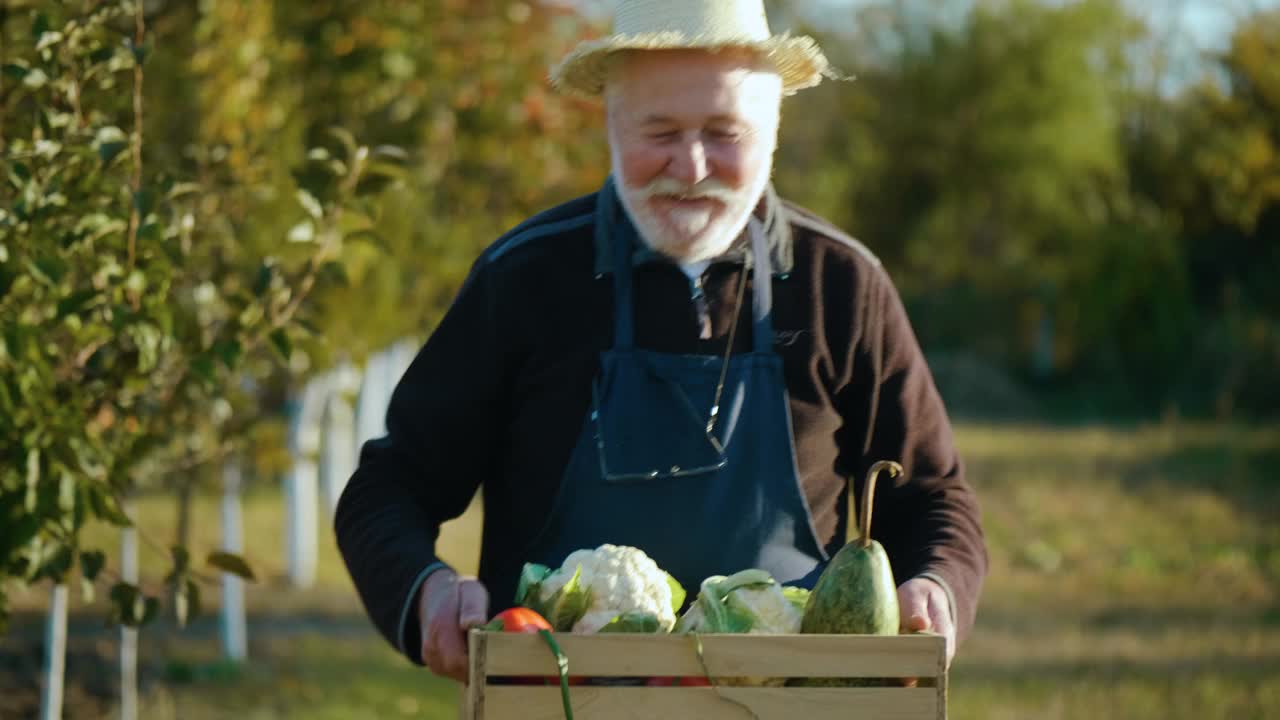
(226, 225)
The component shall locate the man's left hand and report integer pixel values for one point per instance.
(923, 606)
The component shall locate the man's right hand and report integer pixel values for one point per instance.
(448, 606)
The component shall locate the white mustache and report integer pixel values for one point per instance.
(709, 189)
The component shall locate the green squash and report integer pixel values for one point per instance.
(856, 593)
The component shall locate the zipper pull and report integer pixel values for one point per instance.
(700, 308)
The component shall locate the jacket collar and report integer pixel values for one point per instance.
(611, 217)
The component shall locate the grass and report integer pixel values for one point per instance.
(1135, 574)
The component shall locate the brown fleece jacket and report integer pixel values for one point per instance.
(497, 396)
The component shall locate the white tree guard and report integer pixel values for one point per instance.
(402, 354)
(301, 484)
(55, 655)
(338, 442)
(129, 636)
(375, 394)
(234, 630)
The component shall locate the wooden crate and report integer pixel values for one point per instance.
(921, 656)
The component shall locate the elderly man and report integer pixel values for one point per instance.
(681, 362)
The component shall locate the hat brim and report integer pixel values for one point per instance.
(583, 72)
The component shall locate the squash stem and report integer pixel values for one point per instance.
(868, 496)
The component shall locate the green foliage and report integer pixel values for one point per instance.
(1042, 206)
(132, 309)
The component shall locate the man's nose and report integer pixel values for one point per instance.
(689, 162)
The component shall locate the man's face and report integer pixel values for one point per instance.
(692, 135)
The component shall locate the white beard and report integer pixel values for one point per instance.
(690, 235)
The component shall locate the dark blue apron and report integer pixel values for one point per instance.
(646, 472)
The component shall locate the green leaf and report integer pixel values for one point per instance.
(797, 596)
(678, 594)
(150, 609)
(14, 71)
(530, 583)
(108, 151)
(91, 563)
(334, 273)
(152, 232)
(231, 563)
(145, 201)
(202, 366)
(569, 603)
(386, 170)
(633, 622)
(390, 152)
(310, 204)
(103, 505)
(280, 342)
(33, 480)
(262, 281)
(66, 492)
(229, 351)
(183, 188)
(39, 25)
(140, 52)
(109, 142)
(57, 566)
(75, 302)
(35, 79)
(50, 269)
(303, 232)
(48, 39)
(345, 137)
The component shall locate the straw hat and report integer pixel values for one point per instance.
(691, 24)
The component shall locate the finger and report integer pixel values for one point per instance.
(915, 610)
(447, 639)
(473, 604)
(940, 613)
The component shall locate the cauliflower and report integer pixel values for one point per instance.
(614, 588)
(750, 601)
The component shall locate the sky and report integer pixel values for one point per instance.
(1205, 23)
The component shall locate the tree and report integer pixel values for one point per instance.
(130, 309)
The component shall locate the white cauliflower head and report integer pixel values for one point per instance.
(612, 588)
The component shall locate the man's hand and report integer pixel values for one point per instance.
(448, 606)
(923, 606)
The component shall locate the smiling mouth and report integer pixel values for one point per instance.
(685, 201)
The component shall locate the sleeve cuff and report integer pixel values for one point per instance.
(408, 621)
(946, 588)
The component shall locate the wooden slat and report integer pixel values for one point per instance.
(477, 659)
(640, 703)
(726, 655)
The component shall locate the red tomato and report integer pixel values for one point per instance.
(524, 620)
(520, 620)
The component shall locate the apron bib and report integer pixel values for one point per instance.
(645, 470)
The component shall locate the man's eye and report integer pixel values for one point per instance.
(664, 136)
(722, 135)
